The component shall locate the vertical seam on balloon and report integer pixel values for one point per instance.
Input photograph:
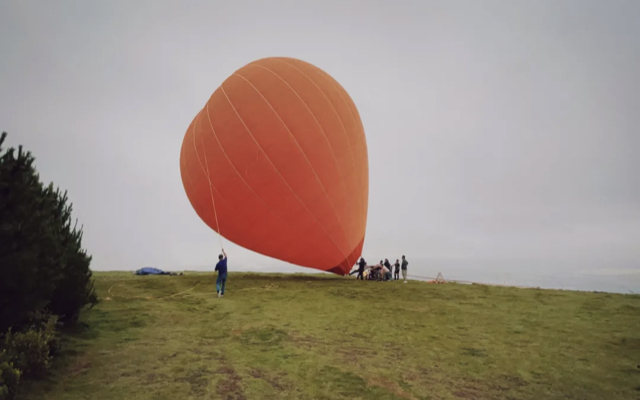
(234, 167)
(186, 171)
(206, 173)
(339, 89)
(344, 187)
(195, 149)
(206, 160)
(344, 129)
(215, 135)
(203, 170)
(356, 118)
(305, 157)
(276, 169)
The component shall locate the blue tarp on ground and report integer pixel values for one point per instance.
(150, 271)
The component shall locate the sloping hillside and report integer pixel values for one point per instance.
(322, 337)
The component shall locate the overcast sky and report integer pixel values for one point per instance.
(499, 132)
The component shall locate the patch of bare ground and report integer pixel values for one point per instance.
(229, 386)
(276, 382)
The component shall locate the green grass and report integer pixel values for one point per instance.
(323, 337)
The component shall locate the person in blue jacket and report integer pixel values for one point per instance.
(221, 267)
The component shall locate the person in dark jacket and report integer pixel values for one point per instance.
(404, 265)
(388, 265)
(361, 265)
(396, 273)
(221, 268)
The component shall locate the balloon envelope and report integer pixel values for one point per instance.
(280, 149)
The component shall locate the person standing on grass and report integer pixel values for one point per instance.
(361, 264)
(405, 263)
(221, 267)
(396, 273)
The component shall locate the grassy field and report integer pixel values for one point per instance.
(323, 337)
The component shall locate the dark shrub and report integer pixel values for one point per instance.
(9, 377)
(31, 351)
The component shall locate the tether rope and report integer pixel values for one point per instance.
(213, 203)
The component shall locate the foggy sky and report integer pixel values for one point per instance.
(502, 132)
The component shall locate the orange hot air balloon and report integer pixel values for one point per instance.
(277, 163)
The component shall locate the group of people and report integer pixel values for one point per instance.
(383, 271)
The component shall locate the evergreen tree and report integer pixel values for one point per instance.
(42, 263)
